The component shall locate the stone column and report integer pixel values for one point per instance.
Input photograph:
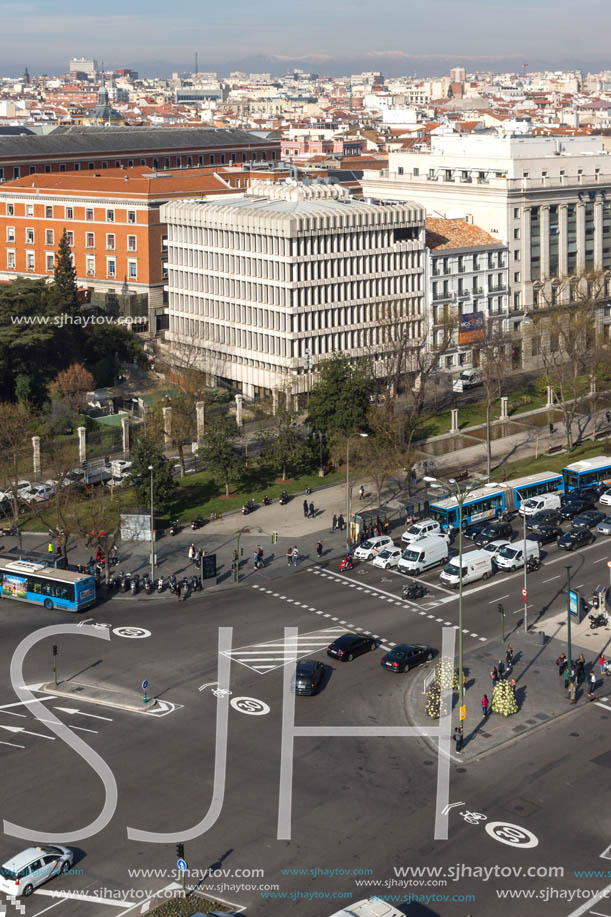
(563, 243)
(550, 397)
(593, 386)
(200, 417)
(504, 404)
(598, 236)
(525, 245)
(125, 434)
(82, 444)
(544, 242)
(454, 422)
(238, 410)
(296, 403)
(274, 402)
(581, 238)
(167, 426)
(36, 454)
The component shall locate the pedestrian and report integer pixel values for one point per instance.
(509, 656)
(464, 681)
(50, 548)
(608, 416)
(458, 738)
(494, 676)
(386, 526)
(178, 591)
(289, 556)
(592, 681)
(58, 547)
(579, 671)
(551, 429)
(362, 492)
(312, 511)
(295, 555)
(378, 522)
(191, 551)
(305, 509)
(561, 663)
(513, 686)
(198, 558)
(485, 703)
(601, 663)
(260, 553)
(500, 667)
(334, 522)
(573, 692)
(362, 536)
(319, 549)
(341, 522)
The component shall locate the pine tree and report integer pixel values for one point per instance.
(64, 278)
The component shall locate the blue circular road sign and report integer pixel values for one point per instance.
(145, 685)
(182, 865)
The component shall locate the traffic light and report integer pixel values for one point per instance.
(274, 537)
(180, 851)
(55, 649)
(501, 608)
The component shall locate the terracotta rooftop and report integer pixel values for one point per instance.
(446, 234)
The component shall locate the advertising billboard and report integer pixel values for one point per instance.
(471, 327)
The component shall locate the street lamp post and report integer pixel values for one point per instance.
(151, 469)
(348, 438)
(568, 618)
(321, 472)
(525, 577)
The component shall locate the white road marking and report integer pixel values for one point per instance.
(12, 744)
(75, 896)
(263, 657)
(13, 713)
(551, 578)
(599, 560)
(94, 716)
(45, 909)
(23, 703)
(78, 728)
(499, 599)
(585, 907)
(27, 732)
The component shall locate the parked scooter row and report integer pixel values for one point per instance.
(134, 582)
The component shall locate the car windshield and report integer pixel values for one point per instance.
(508, 552)
(573, 533)
(410, 555)
(305, 671)
(492, 548)
(7, 873)
(414, 530)
(489, 531)
(451, 570)
(384, 554)
(367, 544)
(606, 520)
(530, 503)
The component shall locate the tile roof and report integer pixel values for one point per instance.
(449, 234)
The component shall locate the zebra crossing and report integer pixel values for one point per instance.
(264, 657)
(604, 702)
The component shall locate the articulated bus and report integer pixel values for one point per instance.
(30, 582)
(589, 471)
(493, 500)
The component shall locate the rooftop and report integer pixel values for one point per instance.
(450, 234)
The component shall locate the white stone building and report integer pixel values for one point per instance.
(548, 199)
(266, 284)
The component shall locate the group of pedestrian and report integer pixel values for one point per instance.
(373, 531)
(308, 510)
(338, 522)
(575, 675)
(195, 555)
(292, 556)
(257, 558)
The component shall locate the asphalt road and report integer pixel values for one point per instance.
(358, 803)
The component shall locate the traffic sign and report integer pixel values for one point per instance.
(145, 685)
(463, 712)
(525, 595)
(182, 865)
(609, 563)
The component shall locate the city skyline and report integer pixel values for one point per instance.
(334, 40)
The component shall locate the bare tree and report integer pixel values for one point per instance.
(494, 363)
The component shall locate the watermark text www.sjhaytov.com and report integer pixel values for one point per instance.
(60, 321)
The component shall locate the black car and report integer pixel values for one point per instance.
(543, 517)
(494, 531)
(346, 647)
(309, 676)
(405, 656)
(473, 530)
(588, 519)
(546, 533)
(573, 508)
(589, 494)
(575, 538)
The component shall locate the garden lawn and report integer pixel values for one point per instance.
(528, 466)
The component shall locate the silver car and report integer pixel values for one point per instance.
(604, 527)
(24, 872)
(493, 547)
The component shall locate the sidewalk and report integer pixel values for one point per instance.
(540, 693)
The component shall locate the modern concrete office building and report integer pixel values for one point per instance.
(267, 284)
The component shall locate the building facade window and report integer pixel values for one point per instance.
(132, 244)
(70, 237)
(554, 239)
(589, 252)
(131, 216)
(90, 265)
(110, 216)
(110, 241)
(89, 214)
(535, 244)
(29, 237)
(50, 261)
(10, 233)
(30, 261)
(29, 210)
(10, 210)
(571, 238)
(49, 212)
(132, 269)
(111, 267)
(69, 213)
(90, 240)
(49, 237)
(10, 259)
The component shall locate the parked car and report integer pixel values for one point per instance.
(493, 547)
(346, 647)
(605, 497)
(24, 872)
(373, 546)
(405, 656)
(546, 534)
(474, 528)
(493, 532)
(421, 529)
(544, 517)
(604, 526)
(574, 508)
(309, 676)
(576, 538)
(387, 558)
(588, 520)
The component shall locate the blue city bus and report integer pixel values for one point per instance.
(25, 581)
(493, 500)
(588, 471)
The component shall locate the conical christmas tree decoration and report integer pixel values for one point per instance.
(503, 699)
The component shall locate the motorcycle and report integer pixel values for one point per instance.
(172, 582)
(414, 591)
(197, 522)
(196, 583)
(134, 584)
(185, 586)
(248, 507)
(147, 583)
(267, 501)
(160, 584)
(284, 498)
(174, 527)
(533, 564)
(607, 668)
(600, 620)
(347, 563)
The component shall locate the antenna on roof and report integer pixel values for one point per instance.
(196, 65)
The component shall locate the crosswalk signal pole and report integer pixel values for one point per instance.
(55, 664)
(501, 610)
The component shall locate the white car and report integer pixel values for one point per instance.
(120, 480)
(605, 498)
(373, 546)
(29, 495)
(387, 558)
(421, 529)
(493, 547)
(24, 872)
(43, 492)
(369, 907)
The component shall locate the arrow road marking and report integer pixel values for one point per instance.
(451, 805)
(27, 732)
(22, 703)
(82, 713)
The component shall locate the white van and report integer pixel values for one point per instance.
(423, 554)
(369, 907)
(476, 565)
(512, 556)
(421, 529)
(535, 504)
(468, 379)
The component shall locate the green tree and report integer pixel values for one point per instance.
(165, 486)
(219, 452)
(340, 399)
(64, 278)
(286, 449)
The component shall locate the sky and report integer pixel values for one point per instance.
(334, 37)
